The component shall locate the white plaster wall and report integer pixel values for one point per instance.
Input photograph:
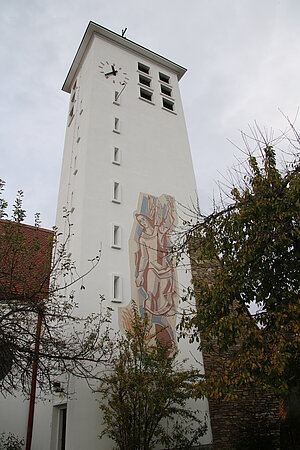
(14, 417)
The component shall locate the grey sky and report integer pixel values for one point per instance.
(242, 58)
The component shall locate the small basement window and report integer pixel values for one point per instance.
(166, 90)
(145, 80)
(147, 95)
(164, 78)
(167, 104)
(143, 68)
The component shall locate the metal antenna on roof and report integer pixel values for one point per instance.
(124, 31)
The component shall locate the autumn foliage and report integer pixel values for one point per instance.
(247, 303)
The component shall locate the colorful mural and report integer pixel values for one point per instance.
(154, 285)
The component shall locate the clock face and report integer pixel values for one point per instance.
(112, 71)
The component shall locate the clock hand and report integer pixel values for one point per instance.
(114, 72)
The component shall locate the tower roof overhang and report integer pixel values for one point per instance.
(94, 28)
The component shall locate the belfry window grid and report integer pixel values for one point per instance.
(145, 83)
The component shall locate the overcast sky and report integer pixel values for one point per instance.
(243, 66)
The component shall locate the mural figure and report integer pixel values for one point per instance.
(154, 268)
(153, 274)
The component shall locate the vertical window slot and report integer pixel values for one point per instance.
(72, 208)
(116, 192)
(116, 237)
(72, 103)
(117, 125)
(116, 288)
(116, 156)
(75, 166)
(117, 97)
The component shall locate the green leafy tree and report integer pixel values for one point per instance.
(144, 394)
(245, 257)
(41, 331)
(10, 442)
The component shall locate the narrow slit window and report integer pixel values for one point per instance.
(168, 105)
(73, 92)
(147, 95)
(116, 288)
(164, 78)
(116, 156)
(75, 166)
(143, 68)
(72, 102)
(71, 114)
(116, 192)
(72, 207)
(166, 90)
(117, 97)
(117, 125)
(145, 80)
(116, 237)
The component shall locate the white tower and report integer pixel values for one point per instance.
(126, 166)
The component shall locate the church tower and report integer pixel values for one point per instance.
(126, 170)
